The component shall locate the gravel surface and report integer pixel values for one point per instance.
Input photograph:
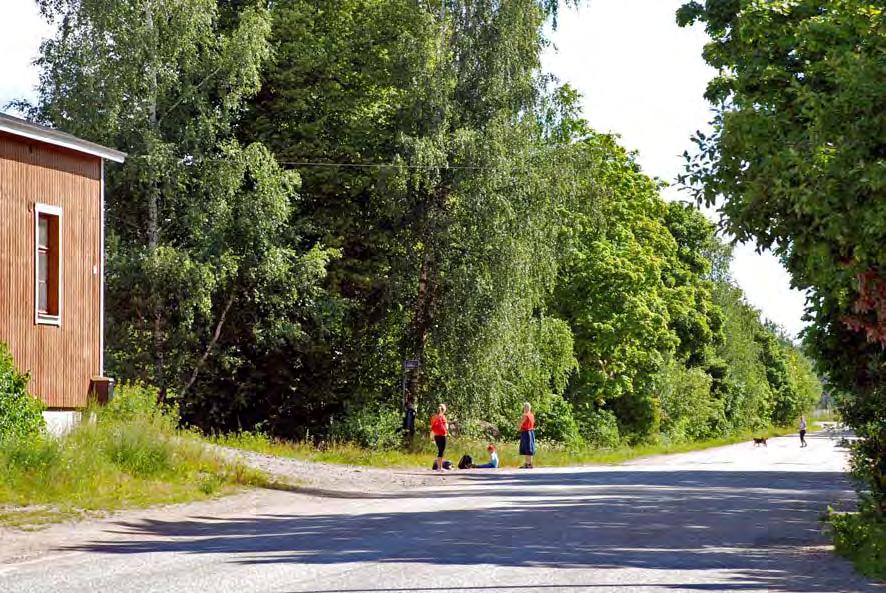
(737, 518)
(333, 477)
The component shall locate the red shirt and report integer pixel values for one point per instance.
(438, 425)
(528, 422)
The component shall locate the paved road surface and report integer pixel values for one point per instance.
(732, 519)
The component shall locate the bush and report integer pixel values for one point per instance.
(556, 423)
(20, 414)
(133, 400)
(689, 410)
(600, 428)
(861, 538)
(371, 428)
(127, 454)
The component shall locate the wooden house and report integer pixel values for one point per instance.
(52, 260)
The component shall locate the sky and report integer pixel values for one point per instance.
(641, 76)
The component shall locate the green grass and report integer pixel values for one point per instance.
(108, 464)
(422, 454)
(825, 416)
(861, 537)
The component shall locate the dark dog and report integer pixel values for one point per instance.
(760, 441)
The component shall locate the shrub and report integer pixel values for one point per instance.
(479, 429)
(556, 422)
(600, 428)
(861, 537)
(689, 410)
(133, 400)
(20, 414)
(371, 428)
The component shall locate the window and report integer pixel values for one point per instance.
(48, 264)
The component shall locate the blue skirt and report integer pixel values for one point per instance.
(527, 442)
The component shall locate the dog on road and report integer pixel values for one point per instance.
(760, 441)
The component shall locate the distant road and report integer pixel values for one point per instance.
(738, 518)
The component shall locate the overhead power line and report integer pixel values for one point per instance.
(376, 165)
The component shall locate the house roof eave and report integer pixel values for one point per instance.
(19, 127)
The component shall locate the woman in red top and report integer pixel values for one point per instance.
(439, 430)
(527, 435)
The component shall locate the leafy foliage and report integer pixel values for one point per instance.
(313, 196)
(797, 156)
(377, 429)
(130, 455)
(20, 414)
(861, 537)
(206, 268)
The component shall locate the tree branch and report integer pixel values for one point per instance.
(210, 346)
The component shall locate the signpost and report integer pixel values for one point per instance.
(409, 365)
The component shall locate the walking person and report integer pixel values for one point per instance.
(527, 435)
(439, 431)
(802, 431)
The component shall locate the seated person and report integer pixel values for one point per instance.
(493, 458)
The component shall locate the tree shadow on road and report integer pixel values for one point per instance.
(758, 529)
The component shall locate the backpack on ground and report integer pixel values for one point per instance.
(466, 462)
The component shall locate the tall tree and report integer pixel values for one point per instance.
(198, 224)
(422, 161)
(797, 155)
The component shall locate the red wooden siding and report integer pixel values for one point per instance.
(61, 360)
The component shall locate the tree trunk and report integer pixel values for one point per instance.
(153, 222)
(421, 325)
(211, 345)
(427, 292)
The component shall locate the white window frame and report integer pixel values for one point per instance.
(40, 318)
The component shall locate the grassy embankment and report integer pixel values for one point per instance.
(421, 455)
(125, 456)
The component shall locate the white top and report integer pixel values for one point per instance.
(802, 424)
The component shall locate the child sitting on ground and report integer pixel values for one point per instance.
(493, 458)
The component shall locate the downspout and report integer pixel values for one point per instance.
(101, 271)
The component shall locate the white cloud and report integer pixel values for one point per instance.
(643, 77)
(21, 31)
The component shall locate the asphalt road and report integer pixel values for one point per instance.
(738, 518)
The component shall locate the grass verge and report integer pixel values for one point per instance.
(422, 453)
(861, 538)
(118, 459)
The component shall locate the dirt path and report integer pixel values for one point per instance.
(320, 477)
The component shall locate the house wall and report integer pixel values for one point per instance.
(61, 360)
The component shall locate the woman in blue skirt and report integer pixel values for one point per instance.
(527, 435)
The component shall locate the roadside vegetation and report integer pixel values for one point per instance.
(812, 190)
(127, 454)
(268, 273)
(420, 454)
(861, 537)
